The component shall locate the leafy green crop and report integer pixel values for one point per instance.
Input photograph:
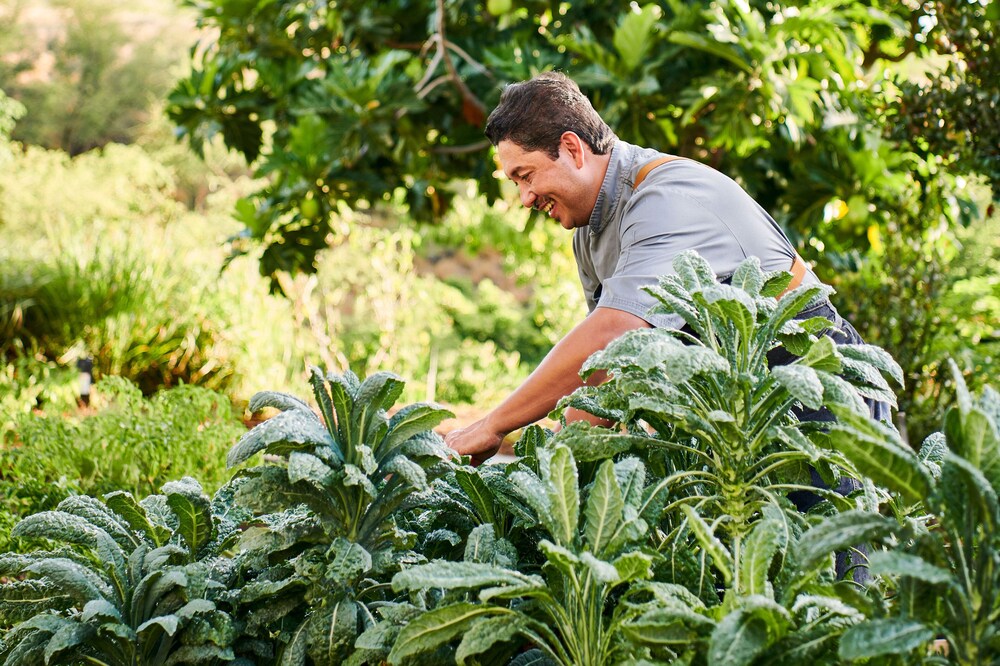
(588, 554)
(126, 582)
(669, 540)
(713, 418)
(326, 531)
(947, 576)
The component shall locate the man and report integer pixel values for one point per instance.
(632, 210)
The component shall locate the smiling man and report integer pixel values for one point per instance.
(632, 210)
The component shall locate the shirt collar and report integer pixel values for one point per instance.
(622, 155)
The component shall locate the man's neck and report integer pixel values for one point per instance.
(601, 164)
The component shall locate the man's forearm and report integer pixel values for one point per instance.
(558, 374)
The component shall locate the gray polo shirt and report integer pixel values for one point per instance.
(634, 235)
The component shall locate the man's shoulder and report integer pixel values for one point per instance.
(683, 175)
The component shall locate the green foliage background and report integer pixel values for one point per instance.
(372, 204)
(863, 127)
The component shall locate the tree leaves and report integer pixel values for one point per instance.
(633, 36)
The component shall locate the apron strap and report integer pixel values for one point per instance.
(649, 166)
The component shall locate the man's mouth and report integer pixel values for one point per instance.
(547, 207)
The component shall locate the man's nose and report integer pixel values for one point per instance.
(527, 196)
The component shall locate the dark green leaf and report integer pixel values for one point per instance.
(840, 532)
(875, 356)
(561, 484)
(801, 382)
(458, 575)
(823, 355)
(631, 476)
(875, 450)
(738, 640)
(193, 509)
(485, 634)
(101, 516)
(22, 599)
(478, 493)
(438, 627)
(413, 419)
(277, 400)
(124, 504)
(879, 637)
(348, 561)
(604, 508)
(589, 443)
(896, 563)
(330, 632)
(759, 549)
(710, 543)
(66, 638)
(72, 579)
(288, 431)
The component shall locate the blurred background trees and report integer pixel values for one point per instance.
(362, 188)
(89, 69)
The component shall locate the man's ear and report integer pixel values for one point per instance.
(575, 147)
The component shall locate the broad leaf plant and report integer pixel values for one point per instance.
(327, 534)
(124, 582)
(711, 415)
(667, 538)
(593, 548)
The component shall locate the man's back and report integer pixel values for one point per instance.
(634, 235)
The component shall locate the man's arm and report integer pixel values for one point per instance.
(556, 376)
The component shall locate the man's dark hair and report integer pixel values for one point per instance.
(535, 113)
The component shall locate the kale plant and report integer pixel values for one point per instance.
(327, 537)
(946, 574)
(124, 582)
(589, 555)
(708, 412)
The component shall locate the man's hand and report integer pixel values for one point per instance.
(477, 440)
(556, 376)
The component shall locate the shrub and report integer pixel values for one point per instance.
(132, 443)
(27, 383)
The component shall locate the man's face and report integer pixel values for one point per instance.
(563, 188)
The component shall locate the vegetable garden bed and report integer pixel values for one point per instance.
(666, 539)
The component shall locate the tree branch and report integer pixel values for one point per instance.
(460, 150)
(875, 52)
(467, 95)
